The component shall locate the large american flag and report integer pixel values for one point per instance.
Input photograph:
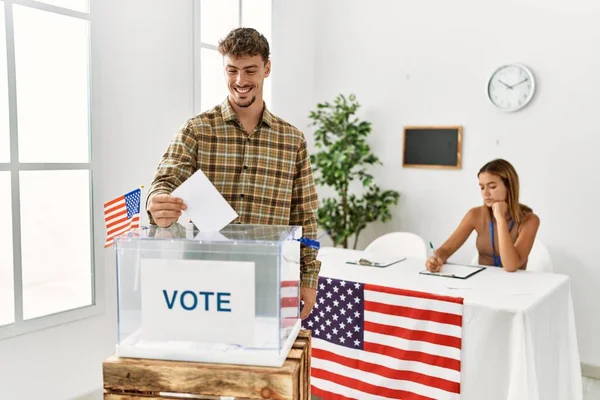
(121, 215)
(376, 342)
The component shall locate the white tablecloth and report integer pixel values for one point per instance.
(519, 339)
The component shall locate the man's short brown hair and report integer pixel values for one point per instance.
(243, 42)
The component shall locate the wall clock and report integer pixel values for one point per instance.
(511, 87)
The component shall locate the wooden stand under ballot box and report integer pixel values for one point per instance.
(144, 379)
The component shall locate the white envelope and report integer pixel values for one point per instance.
(206, 207)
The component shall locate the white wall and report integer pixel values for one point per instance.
(142, 92)
(428, 63)
(293, 61)
(295, 68)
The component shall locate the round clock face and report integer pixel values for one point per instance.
(511, 87)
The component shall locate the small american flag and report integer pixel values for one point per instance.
(122, 215)
(375, 342)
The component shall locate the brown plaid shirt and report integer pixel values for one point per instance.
(266, 176)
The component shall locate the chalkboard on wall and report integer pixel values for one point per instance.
(432, 147)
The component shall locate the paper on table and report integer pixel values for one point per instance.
(206, 207)
(455, 271)
(376, 259)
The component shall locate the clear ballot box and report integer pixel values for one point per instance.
(224, 297)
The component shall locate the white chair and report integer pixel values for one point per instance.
(539, 258)
(401, 244)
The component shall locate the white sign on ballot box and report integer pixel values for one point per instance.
(198, 300)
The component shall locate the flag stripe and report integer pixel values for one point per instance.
(290, 302)
(394, 359)
(411, 293)
(116, 229)
(109, 241)
(289, 313)
(115, 223)
(374, 336)
(342, 391)
(393, 374)
(412, 355)
(409, 323)
(325, 394)
(115, 213)
(117, 206)
(414, 313)
(109, 203)
(127, 227)
(386, 388)
(289, 291)
(416, 302)
(124, 230)
(414, 334)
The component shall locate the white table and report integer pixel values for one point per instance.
(519, 339)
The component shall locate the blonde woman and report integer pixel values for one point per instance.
(506, 229)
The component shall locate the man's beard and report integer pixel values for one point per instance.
(246, 105)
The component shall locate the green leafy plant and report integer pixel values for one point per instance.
(343, 157)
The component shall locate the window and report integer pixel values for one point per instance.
(7, 300)
(46, 240)
(213, 19)
(76, 5)
(4, 125)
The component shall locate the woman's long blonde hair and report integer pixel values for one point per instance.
(509, 176)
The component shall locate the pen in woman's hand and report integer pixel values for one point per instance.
(433, 263)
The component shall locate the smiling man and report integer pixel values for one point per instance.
(257, 161)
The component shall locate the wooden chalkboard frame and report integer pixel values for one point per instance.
(458, 129)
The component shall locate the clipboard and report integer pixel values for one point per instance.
(368, 263)
(456, 271)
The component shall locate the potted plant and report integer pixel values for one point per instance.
(344, 156)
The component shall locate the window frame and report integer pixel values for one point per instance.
(198, 45)
(20, 326)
